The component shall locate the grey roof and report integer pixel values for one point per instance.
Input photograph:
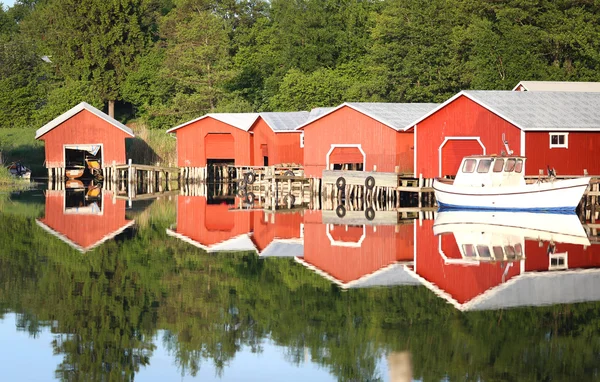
(75, 110)
(541, 288)
(392, 275)
(398, 116)
(543, 111)
(559, 86)
(285, 121)
(283, 249)
(242, 121)
(536, 111)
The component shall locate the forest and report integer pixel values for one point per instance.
(161, 62)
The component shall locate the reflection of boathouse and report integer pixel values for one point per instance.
(532, 268)
(214, 227)
(358, 256)
(81, 133)
(84, 219)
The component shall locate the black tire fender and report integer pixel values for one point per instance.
(340, 211)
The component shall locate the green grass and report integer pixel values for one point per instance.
(19, 144)
(148, 147)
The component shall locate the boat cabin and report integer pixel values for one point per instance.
(491, 171)
(490, 246)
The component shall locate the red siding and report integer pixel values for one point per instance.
(85, 128)
(341, 155)
(462, 282)
(382, 246)
(348, 126)
(454, 151)
(567, 161)
(461, 118)
(537, 259)
(210, 224)
(84, 230)
(279, 147)
(191, 150)
(268, 227)
(405, 152)
(219, 146)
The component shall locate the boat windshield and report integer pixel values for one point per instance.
(484, 166)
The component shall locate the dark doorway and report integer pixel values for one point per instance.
(265, 161)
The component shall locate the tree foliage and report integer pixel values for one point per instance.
(169, 61)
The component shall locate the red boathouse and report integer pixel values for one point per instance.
(80, 133)
(560, 130)
(362, 136)
(359, 255)
(81, 222)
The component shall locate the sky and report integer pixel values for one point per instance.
(7, 3)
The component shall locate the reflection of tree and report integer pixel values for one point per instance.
(106, 308)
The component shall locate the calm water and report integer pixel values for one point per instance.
(182, 288)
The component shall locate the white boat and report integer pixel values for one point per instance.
(498, 183)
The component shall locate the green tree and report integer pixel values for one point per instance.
(95, 41)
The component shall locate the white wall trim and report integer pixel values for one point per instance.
(415, 151)
(335, 243)
(336, 145)
(447, 139)
(522, 143)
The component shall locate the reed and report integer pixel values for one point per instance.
(151, 146)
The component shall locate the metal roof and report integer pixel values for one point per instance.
(398, 116)
(284, 248)
(285, 121)
(392, 275)
(559, 86)
(75, 110)
(541, 288)
(536, 111)
(242, 121)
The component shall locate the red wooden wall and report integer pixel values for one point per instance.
(381, 247)
(84, 230)
(461, 118)
(191, 150)
(537, 258)
(85, 128)
(268, 227)
(581, 154)
(462, 282)
(282, 147)
(210, 224)
(380, 143)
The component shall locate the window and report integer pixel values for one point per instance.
(484, 251)
(302, 139)
(510, 252)
(498, 165)
(510, 165)
(469, 250)
(559, 140)
(519, 165)
(469, 165)
(558, 261)
(498, 252)
(484, 166)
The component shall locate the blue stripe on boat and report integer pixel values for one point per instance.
(561, 210)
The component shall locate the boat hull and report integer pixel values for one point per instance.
(557, 195)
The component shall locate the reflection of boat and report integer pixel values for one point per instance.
(19, 170)
(561, 228)
(74, 173)
(492, 182)
(93, 192)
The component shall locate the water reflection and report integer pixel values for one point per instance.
(209, 286)
(84, 216)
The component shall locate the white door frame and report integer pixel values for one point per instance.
(335, 145)
(447, 139)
